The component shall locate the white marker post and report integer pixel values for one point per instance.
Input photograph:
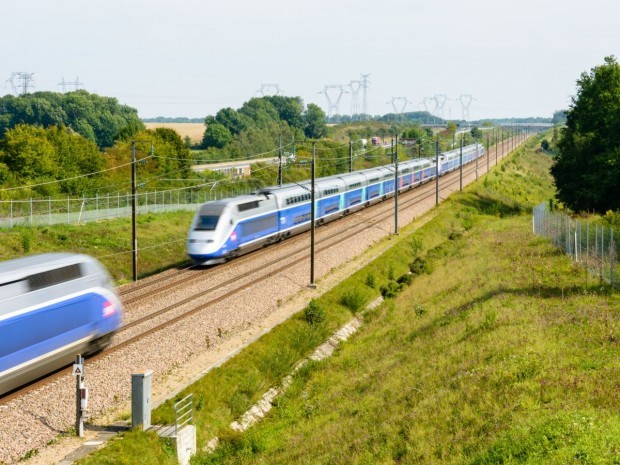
(81, 395)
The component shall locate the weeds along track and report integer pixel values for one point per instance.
(248, 271)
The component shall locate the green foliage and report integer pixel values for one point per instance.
(419, 266)
(476, 133)
(37, 155)
(314, 313)
(371, 280)
(354, 299)
(26, 235)
(390, 290)
(587, 167)
(99, 119)
(612, 219)
(559, 117)
(314, 122)
(562, 438)
(216, 135)
(147, 447)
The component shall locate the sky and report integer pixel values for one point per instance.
(190, 58)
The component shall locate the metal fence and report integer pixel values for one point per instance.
(591, 245)
(37, 212)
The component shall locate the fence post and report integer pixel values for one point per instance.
(612, 257)
(587, 245)
(602, 252)
(11, 220)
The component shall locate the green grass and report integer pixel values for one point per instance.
(494, 351)
(161, 242)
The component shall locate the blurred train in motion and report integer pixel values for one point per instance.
(52, 307)
(224, 229)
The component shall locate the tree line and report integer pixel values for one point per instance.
(81, 144)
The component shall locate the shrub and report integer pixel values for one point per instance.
(371, 281)
(455, 234)
(416, 245)
(418, 266)
(390, 290)
(419, 310)
(405, 279)
(353, 299)
(391, 272)
(314, 313)
(26, 238)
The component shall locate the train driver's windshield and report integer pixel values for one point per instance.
(206, 223)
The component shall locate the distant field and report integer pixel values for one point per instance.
(195, 131)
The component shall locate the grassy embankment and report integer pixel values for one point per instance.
(161, 242)
(497, 351)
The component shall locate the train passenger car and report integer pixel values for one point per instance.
(356, 189)
(52, 307)
(329, 192)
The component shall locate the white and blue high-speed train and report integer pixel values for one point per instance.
(223, 229)
(52, 307)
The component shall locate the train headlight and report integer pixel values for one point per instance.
(109, 309)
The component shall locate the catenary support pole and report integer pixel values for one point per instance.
(312, 215)
(134, 239)
(396, 185)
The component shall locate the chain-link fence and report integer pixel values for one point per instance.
(35, 212)
(591, 245)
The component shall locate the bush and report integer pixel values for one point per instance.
(390, 290)
(417, 266)
(314, 313)
(371, 281)
(353, 300)
(405, 279)
(26, 237)
(455, 234)
(419, 310)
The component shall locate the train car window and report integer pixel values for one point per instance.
(206, 223)
(355, 185)
(247, 206)
(374, 180)
(52, 277)
(13, 288)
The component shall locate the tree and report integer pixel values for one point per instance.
(217, 135)
(314, 122)
(476, 133)
(100, 119)
(36, 155)
(587, 166)
(233, 120)
(290, 109)
(559, 117)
